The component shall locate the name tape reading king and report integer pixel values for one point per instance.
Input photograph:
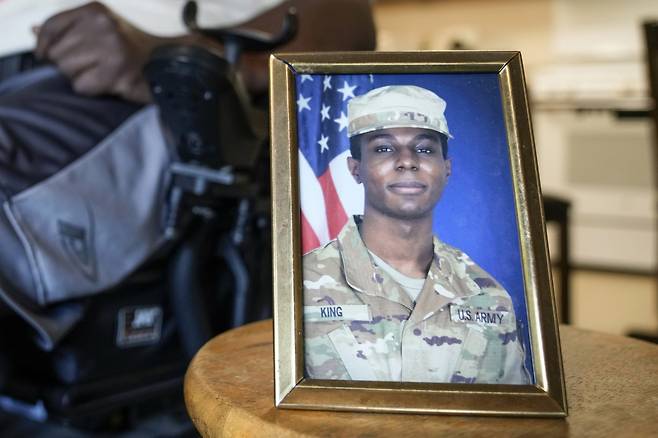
(347, 312)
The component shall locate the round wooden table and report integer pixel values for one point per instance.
(612, 390)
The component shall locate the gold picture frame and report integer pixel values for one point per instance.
(547, 396)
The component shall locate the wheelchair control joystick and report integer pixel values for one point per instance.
(216, 139)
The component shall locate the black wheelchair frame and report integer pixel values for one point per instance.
(214, 274)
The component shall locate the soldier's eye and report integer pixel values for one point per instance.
(424, 150)
(383, 148)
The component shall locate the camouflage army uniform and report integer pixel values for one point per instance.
(359, 324)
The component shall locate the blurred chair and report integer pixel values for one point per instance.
(651, 43)
(557, 210)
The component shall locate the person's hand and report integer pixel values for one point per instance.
(99, 51)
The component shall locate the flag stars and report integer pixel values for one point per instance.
(325, 112)
(342, 121)
(323, 143)
(302, 103)
(346, 91)
(326, 83)
(307, 78)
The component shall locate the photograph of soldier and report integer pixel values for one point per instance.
(387, 300)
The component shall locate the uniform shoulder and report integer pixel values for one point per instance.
(323, 273)
(464, 266)
(320, 257)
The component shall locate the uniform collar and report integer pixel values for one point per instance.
(361, 272)
(448, 279)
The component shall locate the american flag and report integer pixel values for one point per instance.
(328, 193)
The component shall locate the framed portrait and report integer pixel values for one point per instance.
(411, 269)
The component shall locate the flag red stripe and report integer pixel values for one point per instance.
(309, 239)
(336, 216)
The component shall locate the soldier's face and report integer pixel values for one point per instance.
(402, 170)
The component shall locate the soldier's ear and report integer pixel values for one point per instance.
(448, 167)
(353, 166)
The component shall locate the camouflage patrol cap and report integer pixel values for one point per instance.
(396, 106)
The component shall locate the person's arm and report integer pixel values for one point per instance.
(104, 54)
(515, 371)
(101, 52)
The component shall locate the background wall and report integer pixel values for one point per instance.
(586, 75)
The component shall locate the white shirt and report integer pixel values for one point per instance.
(158, 17)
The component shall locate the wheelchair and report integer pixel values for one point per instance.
(133, 342)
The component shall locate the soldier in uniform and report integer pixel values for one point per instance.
(387, 300)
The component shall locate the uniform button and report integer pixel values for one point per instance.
(377, 278)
